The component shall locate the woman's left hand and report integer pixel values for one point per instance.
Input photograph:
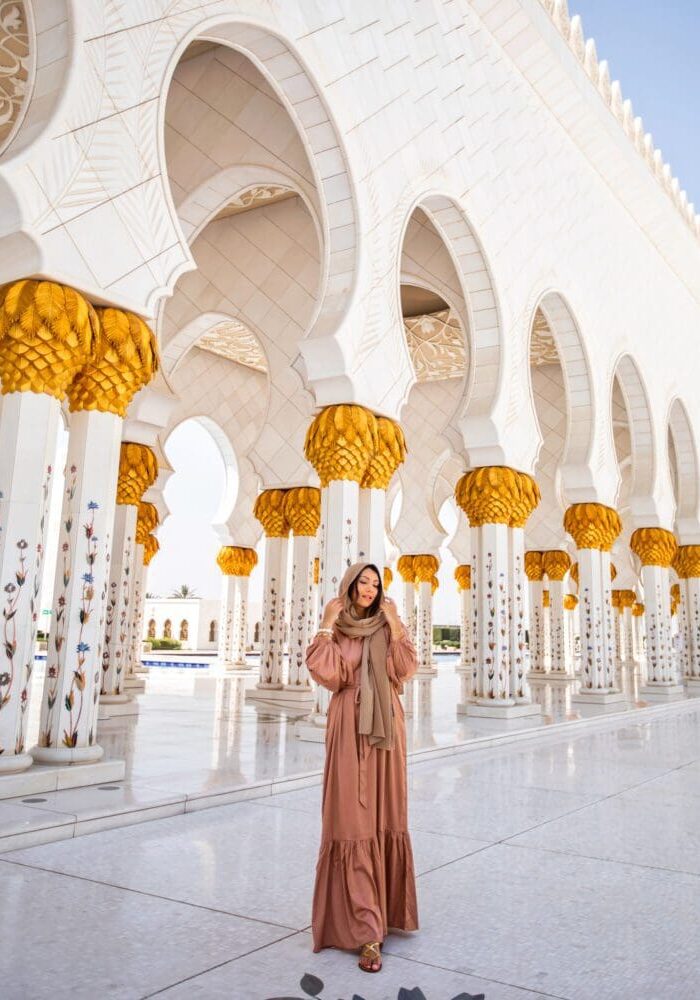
(391, 614)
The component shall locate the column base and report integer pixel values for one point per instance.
(114, 710)
(490, 709)
(463, 706)
(15, 762)
(537, 674)
(264, 686)
(598, 697)
(135, 685)
(142, 669)
(312, 729)
(662, 692)
(67, 755)
(115, 699)
(291, 697)
(234, 666)
(693, 684)
(560, 677)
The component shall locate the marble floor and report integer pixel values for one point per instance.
(567, 867)
(196, 740)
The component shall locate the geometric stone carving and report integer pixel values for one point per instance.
(15, 62)
(436, 345)
(254, 197)
(543, 350)
(233, 340)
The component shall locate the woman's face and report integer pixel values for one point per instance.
(366, 589)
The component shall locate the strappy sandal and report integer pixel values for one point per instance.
(370, 953)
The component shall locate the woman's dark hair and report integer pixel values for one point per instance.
(376, 604)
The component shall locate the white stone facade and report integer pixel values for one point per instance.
(443, 212)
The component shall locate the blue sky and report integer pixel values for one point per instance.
(652, 48)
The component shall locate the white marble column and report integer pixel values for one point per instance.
(534, 571)
(410, 609)
(498, 501)
(493, 632)
(48, 333)
(656, 549)
(425, 567)
(301, 625)
(556, 564)
(519, 614)
(272, 646)
(691, 593)
(28, 431)
(236, 564)
(67, 731)
(639, 633)
(303, 511)
(686, 563)
(371, 519)
(570, 628)
(627, 600)
(594, 527)
(132, 682)
(138, 468)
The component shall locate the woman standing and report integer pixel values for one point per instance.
(365, 881)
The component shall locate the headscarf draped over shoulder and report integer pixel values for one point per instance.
(376, 715)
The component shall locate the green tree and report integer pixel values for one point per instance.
(184, 590)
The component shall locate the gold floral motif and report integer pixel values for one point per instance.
(497, 494)
(234, 560)
(627, 598)
(592, 525)
(405, 568)
(556, 563)
(269, 510)
(302, 509)
(463, 576)
(613, 571)
(146, 520)
(390, 454)
(570, 602)
(48, 332)
(341, 441)
(546, 601)
(573, 573)
(529, 498)
(388, 578)
(151, 546)
(317, 570)
(615, 598)
(534, 568)
(654, 546)
(126, 359)
(424, 568)
(138, 469)
(686, 561)
(675, 598)
(637, 609)
(435, 583)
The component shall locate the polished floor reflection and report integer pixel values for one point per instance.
(197, 739)
(568, 869)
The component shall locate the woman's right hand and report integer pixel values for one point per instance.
(331, 612)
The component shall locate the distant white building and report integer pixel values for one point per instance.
(194, 621)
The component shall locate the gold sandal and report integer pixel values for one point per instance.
(370, 953)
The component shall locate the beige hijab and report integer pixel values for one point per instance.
(376, 715)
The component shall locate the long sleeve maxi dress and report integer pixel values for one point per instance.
(365, 882)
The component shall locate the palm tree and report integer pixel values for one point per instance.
(184, 590)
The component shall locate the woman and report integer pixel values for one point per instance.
(364, 878)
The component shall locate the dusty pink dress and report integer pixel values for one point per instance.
(365, 881)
